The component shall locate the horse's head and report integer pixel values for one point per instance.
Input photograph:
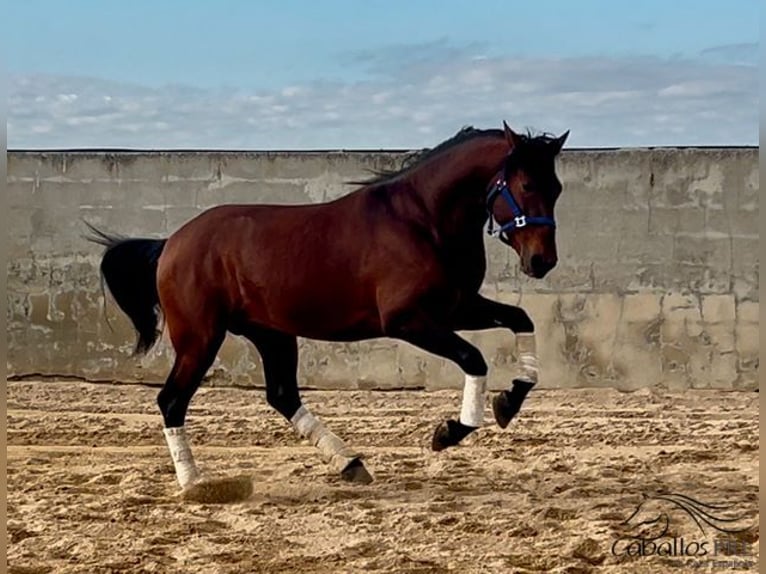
(522, 198)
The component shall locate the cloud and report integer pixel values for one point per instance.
(410, 59)
(743, 54)
(413, 96)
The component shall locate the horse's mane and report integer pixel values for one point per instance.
(467, 133)
(418, 157)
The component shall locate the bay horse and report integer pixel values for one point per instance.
(402, 256)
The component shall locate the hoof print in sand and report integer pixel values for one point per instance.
(219, 490)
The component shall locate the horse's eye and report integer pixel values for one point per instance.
(529, 188)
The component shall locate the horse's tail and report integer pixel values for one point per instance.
(129, 268)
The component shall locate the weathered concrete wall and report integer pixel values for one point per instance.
(657, 282)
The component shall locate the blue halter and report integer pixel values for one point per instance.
(500, 187)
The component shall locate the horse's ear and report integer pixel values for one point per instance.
(510, 136)
(558, 143)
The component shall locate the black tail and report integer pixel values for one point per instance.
(129, 268)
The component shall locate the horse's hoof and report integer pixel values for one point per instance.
(501, 408)
(506, 404)
(449, 433)
(441, 438)
(219, 490)
(356, 472)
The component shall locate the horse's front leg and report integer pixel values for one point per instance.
(480, 313)
(417, 328)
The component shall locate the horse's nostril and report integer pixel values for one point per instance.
(539, 265)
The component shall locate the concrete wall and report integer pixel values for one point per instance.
(657, 282)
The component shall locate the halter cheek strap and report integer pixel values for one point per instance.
(500, 188)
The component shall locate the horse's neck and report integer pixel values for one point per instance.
(454, 186)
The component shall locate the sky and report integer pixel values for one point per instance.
(372, 74)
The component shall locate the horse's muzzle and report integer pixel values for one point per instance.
(539, 266)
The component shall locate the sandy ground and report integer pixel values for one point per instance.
(91, 487)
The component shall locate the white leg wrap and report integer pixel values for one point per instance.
(180, 452)
(331, 448)
(472, 411)
(525, 344)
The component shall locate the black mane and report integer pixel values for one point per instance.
(419, 157)
(534, 143)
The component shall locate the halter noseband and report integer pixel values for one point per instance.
(500, 187)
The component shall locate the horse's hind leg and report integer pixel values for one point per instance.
(279, 354)
(195, 351)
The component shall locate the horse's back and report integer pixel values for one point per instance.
(295, 268)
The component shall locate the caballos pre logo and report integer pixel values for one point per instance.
(716, 529)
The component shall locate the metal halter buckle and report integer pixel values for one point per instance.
(520, 220)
